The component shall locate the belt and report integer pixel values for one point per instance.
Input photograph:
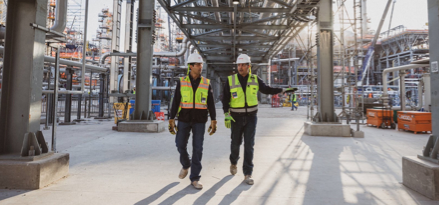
(244, 110)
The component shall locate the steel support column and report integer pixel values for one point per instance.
(145, 28)
(22, 79)
(325, 64)
(128, 40)
(101, 94)
(68, 102)
(431, 149)
(115, 40)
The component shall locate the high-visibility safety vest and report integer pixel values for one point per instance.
(238, 98)
(293, 97)
(188, 101)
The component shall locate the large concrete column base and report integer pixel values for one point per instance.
(421, 176)
(141, 126)
(32, 172)
(332, 129)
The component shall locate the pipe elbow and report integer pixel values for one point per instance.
(60, 16)
(103, 57)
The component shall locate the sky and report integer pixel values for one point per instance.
(410, 13)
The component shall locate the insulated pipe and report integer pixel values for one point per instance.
(60, 16)
(70, 63)
(84, 51)
(155, 54)
(285, 60)
(420, 92)
(385, 96)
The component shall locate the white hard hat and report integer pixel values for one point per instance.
(243, 58)
(194, 58)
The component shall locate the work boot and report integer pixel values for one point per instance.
(233, 169)
(248, 179)
(183, 173)
(197, 184)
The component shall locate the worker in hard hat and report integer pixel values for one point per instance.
(240, 105)
(293, 98)
(193, 100)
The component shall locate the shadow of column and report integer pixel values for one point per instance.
(324, 174)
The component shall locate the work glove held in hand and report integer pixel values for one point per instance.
(228, 119)
(212, 127)
(172, 128)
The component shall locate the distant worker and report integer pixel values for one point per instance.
(370, 95)
(293, 101)
(240, 105)
(193, 101)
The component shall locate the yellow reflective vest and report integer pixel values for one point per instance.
(238, 98)
(187, 94)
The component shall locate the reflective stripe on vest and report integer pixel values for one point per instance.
(187, 94)
(239, 99)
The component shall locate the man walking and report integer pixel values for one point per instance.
(193, 100)
(240, 105)
(293, 101)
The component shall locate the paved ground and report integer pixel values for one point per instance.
(107, 167)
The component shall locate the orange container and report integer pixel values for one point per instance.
(414, 121)
(160, 116)
(380, 118)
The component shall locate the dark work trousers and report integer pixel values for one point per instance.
(245, 126)
(181, 140)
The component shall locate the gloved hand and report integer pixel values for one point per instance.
(172, 128)
(227, 120)
(212, 127)
(288, 90)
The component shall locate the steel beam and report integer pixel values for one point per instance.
(224, 26)
(115, 41)
(230, 9)
(325, 64)
(128, 39)
(238, 38)
(102, 78)
(68, 102)
(22, 73)
(431, 149)
(146, 27)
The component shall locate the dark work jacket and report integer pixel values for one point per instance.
(193, 115)
(263, 88)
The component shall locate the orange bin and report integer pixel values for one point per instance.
(380, 118)
(414, 121)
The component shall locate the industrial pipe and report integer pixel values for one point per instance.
(84, 51)
(60, 16)
(51, 59)
(420, 92)
(285, 60)
(385, 96)
(155, 54)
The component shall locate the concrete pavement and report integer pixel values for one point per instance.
(109, 167)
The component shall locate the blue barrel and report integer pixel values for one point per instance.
(132, 102)
(155, 105)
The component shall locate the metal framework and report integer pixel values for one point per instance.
(400, 46)
(221, 30)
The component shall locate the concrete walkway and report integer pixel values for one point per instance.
(108, 167)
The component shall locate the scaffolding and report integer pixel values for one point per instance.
(3, 8)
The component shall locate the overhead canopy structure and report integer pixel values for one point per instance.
(222, 29)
